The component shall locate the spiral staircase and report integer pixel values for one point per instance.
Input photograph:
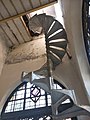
(56, 47)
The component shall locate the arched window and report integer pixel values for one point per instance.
(29, 102)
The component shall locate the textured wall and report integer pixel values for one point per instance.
(27, 51)
(27, 57)
(3, 54)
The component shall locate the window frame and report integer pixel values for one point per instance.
(29, 113)
(86, 26)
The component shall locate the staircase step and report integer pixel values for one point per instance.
(58, 96)
(48, 22)
(43, 83)
(59, 52)
(35, 25)
(58, 35)
(72, 112)
(55, 60)
(57, 25)
(60, 44)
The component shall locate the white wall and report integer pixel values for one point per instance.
(65, 73)
(72, 13)
(3, 53)
(27, 57)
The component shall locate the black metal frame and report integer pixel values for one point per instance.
(86, 26)
(35, 113)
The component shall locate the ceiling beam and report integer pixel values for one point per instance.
(27, 12)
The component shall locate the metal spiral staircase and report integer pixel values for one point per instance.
(56, 47)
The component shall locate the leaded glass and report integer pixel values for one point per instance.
(28, 97)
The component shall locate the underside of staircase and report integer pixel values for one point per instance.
(56, 48)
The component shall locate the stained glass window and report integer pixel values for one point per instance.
(29, 102)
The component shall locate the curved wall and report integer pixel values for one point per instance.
(72, 13)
